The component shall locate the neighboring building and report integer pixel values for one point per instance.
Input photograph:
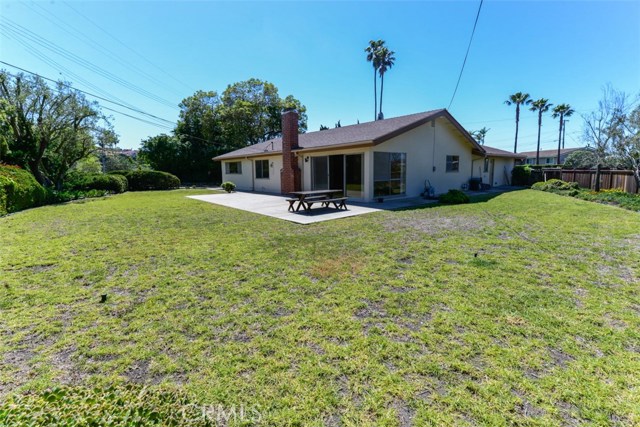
(385, 158)
(549, 157)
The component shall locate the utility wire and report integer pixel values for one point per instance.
(466, 55)
(217, 144)
(61, 24)
(88, 93)
(127, 46)
(57, 66)
(23, 32)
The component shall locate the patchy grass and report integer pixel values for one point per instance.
(521, 309)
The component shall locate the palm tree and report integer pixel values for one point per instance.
(386, 62)
(373, 56)
(479, 135)
(561, 111)
(518, 99)
(542, 105)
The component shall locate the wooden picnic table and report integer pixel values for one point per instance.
(306, 199)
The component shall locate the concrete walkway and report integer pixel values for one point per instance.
(276, 207)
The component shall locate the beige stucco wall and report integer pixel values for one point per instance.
(428, 147)
(247, 181)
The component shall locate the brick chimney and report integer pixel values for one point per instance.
(290, 178)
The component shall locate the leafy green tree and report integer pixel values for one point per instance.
(50, 129)
(626, 141)
(164, 153)
(581, 159)
(5, 130)
(373, 56)
(199, 131)
(542, 105)
(387, 60)
(106, 140)
(251, 112)
(518, 99)
(561, 111)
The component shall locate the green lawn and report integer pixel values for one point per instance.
(386, 319)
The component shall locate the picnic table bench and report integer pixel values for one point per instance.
(306, 199)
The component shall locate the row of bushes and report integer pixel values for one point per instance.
(572, 189)
(143, 180)
(19, 189)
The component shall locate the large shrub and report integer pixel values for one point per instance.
(525, 175)
(454, 197)
(19, 190)
(143, 180)
(112, 183)
(555, 185)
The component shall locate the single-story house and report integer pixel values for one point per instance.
(380, 159)
(549, 157)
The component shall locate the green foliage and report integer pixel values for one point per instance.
(581, 159)
(228, 186)
(454, 197)
(112, 183)
(572, 189)
(525, 175)
(130, 405)
(19, 190)
(51, 129)
(613, 197)
(63, 196)
(144, 180)
(555, 185)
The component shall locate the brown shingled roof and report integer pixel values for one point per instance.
(364, 133)
(496, 152)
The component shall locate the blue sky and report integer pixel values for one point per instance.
(564, 51)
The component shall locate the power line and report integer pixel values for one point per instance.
(83, 37)
(126, 45)
(23, 32)
(466, 55)
(87, 93)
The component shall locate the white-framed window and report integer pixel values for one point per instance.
(453, 163)
(234, 168)
(262, 169)
(389, 174)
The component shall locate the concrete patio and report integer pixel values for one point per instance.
(276, 206)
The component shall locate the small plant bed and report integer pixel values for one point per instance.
(611, 197)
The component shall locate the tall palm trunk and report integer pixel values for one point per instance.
(375, 95)
(381, 115)
(515, 146)
(539, 130)
(560, 138)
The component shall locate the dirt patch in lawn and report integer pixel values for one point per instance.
(437, 224)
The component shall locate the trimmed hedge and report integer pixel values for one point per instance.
(19, 190)
(228, 186)
(144, 180)
(98, 181)
(454, 197)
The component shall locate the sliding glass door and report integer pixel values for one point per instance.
(340, 172)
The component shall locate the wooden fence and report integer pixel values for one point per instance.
(586, 178)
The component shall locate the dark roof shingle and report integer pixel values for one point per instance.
(370, 132)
